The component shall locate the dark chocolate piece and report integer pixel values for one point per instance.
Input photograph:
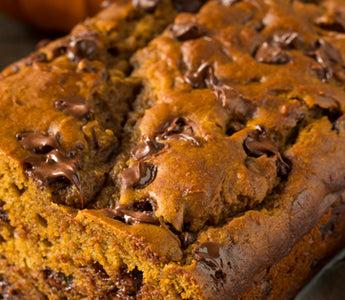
(138, 176)
(327, 56)
(37, 142)
(190, 6)
(213, 263)
(271, 54)
(50, 162)
(74, 106)
(52, 167)
(186, 31)
(146, 150)
(288, 40)
(258, 144)
(197, 78)
(84, 45)
(126, 214)
(178, 129)
(146, 5)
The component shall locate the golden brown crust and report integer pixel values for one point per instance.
(203, 172)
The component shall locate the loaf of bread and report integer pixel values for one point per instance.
(176, 150)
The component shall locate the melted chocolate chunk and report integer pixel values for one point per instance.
(56, 165)
(146, 150)
(186, 31)
(190, 6)
(333, 22)
(178, 129)
(271, 54)
(128, 215)
(146, 5)
(328, 58)
(85, 45)
(258, 144)
(212, 261)
(138, 176)
(197, 79)
(74, 106)
(288, 40)
(50, 162)
(37, 142)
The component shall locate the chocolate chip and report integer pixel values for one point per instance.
(52, 167)
(288, 40)
(84, 45)
(186, 31)
(128, 215)
(146, 5)
(138, 176)
(37, 142)
(177, 128)
(50, 162)
(327, 56)
(212, 261)
(197, 79)
(74, 106)
(146, 150)
(190, 6)
(257, 144)
(271, 54)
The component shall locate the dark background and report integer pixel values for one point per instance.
(18, 40)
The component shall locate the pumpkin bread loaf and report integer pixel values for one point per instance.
(176, 150)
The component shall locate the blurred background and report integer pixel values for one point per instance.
(39, 19)
(18, 39)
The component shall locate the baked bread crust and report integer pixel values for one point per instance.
(206, 161)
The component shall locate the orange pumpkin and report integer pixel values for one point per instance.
(58, 15)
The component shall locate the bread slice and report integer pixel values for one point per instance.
(203, 163)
